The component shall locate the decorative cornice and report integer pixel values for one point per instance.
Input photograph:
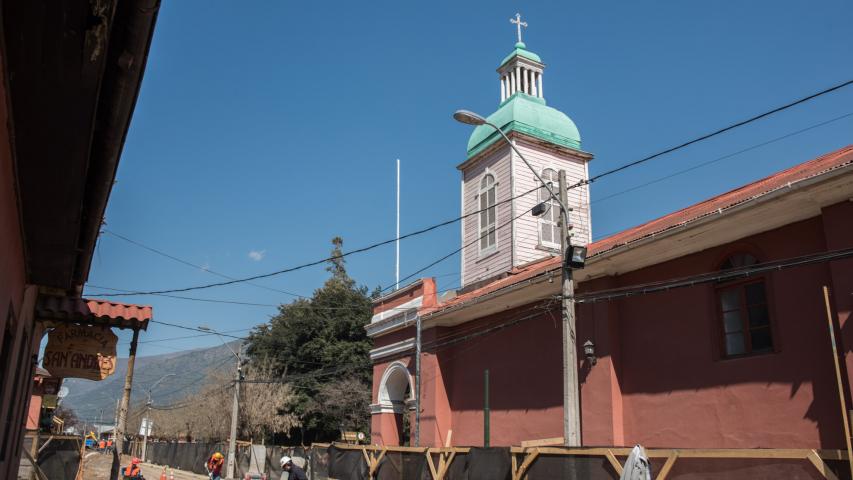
(387, 407)
(392, 349)
(394, 318)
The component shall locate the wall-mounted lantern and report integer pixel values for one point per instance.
(589, 352)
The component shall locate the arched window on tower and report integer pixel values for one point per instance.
(743, 311)
(488, 213)
(549, 226)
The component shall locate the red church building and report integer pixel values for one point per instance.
(705, 328)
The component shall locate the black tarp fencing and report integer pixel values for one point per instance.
(478, 464)
(318, 464)
(189, 457)
(60, 458)
(300, 456)
(324, 463)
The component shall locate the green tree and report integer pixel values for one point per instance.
(319, 347)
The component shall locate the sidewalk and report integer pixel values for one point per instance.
(153, 472)
(98, 468)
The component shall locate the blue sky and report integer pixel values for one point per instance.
(263, 129)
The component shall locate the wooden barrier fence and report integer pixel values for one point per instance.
(524, 457)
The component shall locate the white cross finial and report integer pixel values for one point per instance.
(518, 23)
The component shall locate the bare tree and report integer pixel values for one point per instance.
(266, 404)
(265, 407)
(347, 400)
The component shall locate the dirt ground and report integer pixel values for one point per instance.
(96, 466)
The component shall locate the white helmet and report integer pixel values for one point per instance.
(284, 461)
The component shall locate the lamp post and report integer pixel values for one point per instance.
(572, 258)
(232, 441)
(146, 421)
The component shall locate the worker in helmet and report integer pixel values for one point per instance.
(214, 466)
(294, 471)
(132, 471)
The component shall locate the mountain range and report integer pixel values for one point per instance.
(95, 401)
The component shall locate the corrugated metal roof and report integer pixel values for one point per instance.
(804, 171)
(93, 311)
(819, 166)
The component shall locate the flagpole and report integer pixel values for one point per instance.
(397, 263)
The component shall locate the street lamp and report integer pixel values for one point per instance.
(232, 442)
(573, 257)
(146, 422)
(470, 118)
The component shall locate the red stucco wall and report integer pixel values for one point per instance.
(676, 390)
(524, 379)
(660, 378)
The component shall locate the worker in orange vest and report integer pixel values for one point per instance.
(214, 466)
(102, 445)
(132, 471)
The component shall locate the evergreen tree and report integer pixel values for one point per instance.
(319, 346)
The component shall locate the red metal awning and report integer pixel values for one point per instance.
(93, 312)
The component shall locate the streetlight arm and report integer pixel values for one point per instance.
(547, 187)
(208, 329)
(158, 383)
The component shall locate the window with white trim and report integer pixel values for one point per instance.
(549, 226)
(488, 213)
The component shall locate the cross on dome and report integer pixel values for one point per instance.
(518, 23)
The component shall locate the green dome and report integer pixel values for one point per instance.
(529, 115)
(521, 51)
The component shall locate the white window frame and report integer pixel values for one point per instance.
(552, 208)
(489, 216)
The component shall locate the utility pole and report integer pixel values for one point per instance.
(571, 402)
(232, 442)
(125, 399)
(418, 381)
(146, 427)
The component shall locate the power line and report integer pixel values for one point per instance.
(190, 264)
(714, 133)
(718, 276)
(322, 261)
(472, 242)
(179, 297)
(677, 147)
(724, 157)
(195, 329)
(642, 289)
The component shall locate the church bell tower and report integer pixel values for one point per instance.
(504, 235)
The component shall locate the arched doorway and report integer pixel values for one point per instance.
(395, 402)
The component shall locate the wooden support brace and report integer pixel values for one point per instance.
(431, 465)
(613, 462)
(528, 460)
(376, 462)
(821, 466)
(670, 461)
(366, 456)
(444, 467)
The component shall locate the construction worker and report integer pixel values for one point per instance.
(214, 466)
(294, 472)
(102, 445)
(132, 471)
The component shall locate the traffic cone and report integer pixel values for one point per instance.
(163, 475)
(171, 474)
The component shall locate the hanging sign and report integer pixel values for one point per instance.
(80, 351)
